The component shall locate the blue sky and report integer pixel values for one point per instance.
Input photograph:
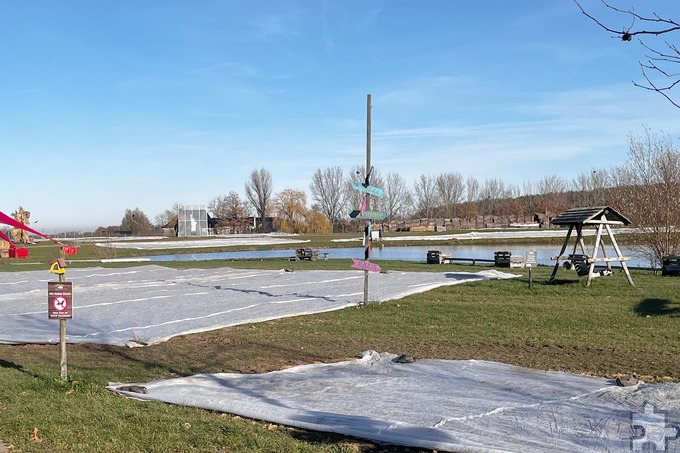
(107, 106)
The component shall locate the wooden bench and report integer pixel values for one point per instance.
(436, 257)
(502, 259)
(306, 254)
(581, 263)
(670, 265)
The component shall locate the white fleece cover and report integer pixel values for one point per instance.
(448, 405)
(143, 305)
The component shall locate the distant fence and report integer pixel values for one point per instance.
(487, 221)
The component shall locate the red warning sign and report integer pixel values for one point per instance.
(59, 298)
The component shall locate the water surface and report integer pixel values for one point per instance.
(409, 253)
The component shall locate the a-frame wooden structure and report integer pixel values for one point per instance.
(601, 217)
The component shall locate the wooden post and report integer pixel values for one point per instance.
(579, 230)
(591, 268)
(619, 254)
(604, 255)
(564, 247)
(62, 342)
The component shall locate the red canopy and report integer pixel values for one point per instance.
(2, 235)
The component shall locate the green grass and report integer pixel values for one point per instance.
(608, 329)
(75, 417)
(43, 253)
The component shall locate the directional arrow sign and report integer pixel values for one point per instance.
(365, 265)
(363, 204)
(368, 215)
(372, 190)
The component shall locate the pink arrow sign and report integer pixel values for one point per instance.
(365, 265)
(363, 205)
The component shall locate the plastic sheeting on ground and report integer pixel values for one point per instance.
(471, 406)
(144, 305)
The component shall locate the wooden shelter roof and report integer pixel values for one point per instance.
(584, 216)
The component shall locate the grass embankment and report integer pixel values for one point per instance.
(608, 329)
(43, 253)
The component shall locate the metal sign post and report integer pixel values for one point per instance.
(364, 212)
(367, 197)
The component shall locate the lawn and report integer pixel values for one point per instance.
(608, 329)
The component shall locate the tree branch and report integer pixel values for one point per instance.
(658, 26)
(669, 25)
(652, 86)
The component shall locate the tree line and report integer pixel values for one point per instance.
(645, 188)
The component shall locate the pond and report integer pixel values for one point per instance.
(410, 253)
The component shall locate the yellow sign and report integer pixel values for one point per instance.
(58, 266)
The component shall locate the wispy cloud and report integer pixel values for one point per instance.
(427, 89)
(270, 26)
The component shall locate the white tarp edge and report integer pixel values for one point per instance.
(468, 405)
(148, 304)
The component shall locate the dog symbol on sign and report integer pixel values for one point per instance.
(60, 303)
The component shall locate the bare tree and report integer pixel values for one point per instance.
(591, 187)
(228, 206)
(551, 190)
(327, 188)
(648, 192)
(259, 193)
(513, 190)
(659, 71)
(397, 196)
(551, 184)
(529, 196)
(490, 194)
(167, 217)
(450, 188)
(425, 197)
(472, 189)
(136, 222)
(230, 214)
(510, 204)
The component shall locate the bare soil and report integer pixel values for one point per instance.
(248, 349)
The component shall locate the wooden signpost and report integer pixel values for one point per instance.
(59, 300)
